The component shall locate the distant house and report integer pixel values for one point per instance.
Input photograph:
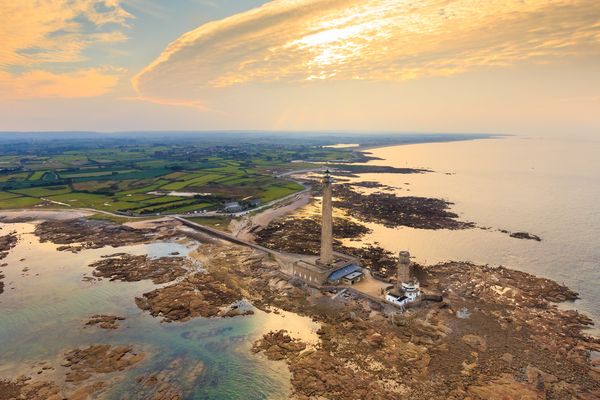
(232, 207)
(255, 202)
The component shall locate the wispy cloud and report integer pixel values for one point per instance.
(44, 84)
(39, 35)
(290, 41)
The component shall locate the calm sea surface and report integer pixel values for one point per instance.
(547, 187)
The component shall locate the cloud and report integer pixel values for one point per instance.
(43, 42)
(56, 31)
(43, 84)
(291, 41)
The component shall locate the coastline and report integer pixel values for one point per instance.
(496, 331)
(480, 137)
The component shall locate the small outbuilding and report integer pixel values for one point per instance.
(353, 278)
(348, 275)
(397, 299)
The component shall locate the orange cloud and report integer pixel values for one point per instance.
(46, 31)
(290, 41)
(44, 84)
(38, 35)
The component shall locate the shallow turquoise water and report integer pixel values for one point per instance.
(43, 310)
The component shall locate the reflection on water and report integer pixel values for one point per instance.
(548, 187)
(43, 310)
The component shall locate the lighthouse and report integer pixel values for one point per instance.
(328, 267)
(326, 257)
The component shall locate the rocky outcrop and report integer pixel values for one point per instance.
(7, 242)
(393, 211)
(505, 387)
(24, 388)
(525, 235)
(278, 345)
(499, 284)
(104, 321)
(78, 234)
(198, 295)
(130, 268)
(353, 169)
(475, 342)
(303, 235)
(519, 235)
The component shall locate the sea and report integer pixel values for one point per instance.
(548, 187)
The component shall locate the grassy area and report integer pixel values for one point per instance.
(19, 202)
(221, 223)
(117, 176)
(88, 200)
(43, 191)
(7, 195)
(275, 192)
(37, 175)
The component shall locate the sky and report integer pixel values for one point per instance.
(498, 66)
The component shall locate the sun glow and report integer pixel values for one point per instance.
(376, 40)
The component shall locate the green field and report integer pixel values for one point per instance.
(43, 191)
(19, 202)
(120, 176)
(7, 195)
(221, 223)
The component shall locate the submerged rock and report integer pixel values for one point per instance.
(105, 321)
(100, 358)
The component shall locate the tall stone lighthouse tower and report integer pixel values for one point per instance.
(327, 222)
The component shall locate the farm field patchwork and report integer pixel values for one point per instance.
(148, 179)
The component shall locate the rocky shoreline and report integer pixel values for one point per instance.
(393, 211)
(303, 235)
(78, 234)
(497, 332)
(7, 242)
(352, 170)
